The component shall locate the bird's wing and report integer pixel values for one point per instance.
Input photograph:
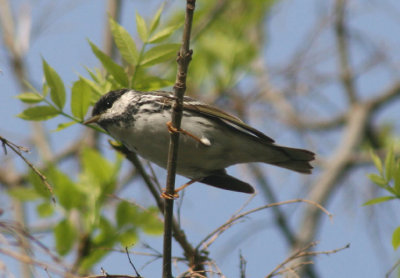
(226, 118)
(193, 105)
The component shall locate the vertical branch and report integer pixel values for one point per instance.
(337, 167)
(346, 73)
(114, 8)
(183, 59)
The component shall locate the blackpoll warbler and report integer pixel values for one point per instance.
(211, 139)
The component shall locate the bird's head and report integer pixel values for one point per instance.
(111, 107)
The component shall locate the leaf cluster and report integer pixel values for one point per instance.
(389, 180)
(133, 72)
(85, 198)
(230, 46)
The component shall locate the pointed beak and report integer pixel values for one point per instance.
(93, 119)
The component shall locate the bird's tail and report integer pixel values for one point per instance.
(222, 180)
(294, 159)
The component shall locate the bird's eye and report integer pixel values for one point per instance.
(108, 104)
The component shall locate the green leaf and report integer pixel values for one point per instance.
(126, 213)
(124, 42)
(164, 33)
(95, 256)
(57, 90)
(33, 89)
(66, 191)
(112, 68)
(45, 209)
(159, 54)
(389, 165)
(45, 89)
(141, 28)
(38, 185)
(144, 82)
(107, 234)
(377, 161)
(65, 235)
(96, 164)
(378, 180)
(24, 193)
(93, 85)
(81, 95)
(99, 170)
(379, 200)
(95, 74)
(105, 239)
(396, 178)
(151, 224)
(156, 19)
(63, 126)
(39, 113)
(129, 237)
(30, 97)
(396, 238)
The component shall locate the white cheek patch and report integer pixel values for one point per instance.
(120, 105)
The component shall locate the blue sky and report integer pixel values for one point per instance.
(64, 46)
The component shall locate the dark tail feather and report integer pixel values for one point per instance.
(297, 160)
(224, 181)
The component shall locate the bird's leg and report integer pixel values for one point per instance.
(203, 141)
(175, 195)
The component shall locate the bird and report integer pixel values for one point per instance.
(211, 139)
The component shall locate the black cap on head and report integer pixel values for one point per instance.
(106, 101)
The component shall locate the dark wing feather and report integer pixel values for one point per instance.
(226, 118)
(196, 106)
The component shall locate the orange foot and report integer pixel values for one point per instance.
(203, 141)
(175, 195)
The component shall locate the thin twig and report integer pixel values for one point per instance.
(15, 229)
(242, 265)
(302, 252)
(212, 236)
(183, 59)
(130, 261)
(9, 177)
(17, 149)
(32, 261)
(392, 269)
